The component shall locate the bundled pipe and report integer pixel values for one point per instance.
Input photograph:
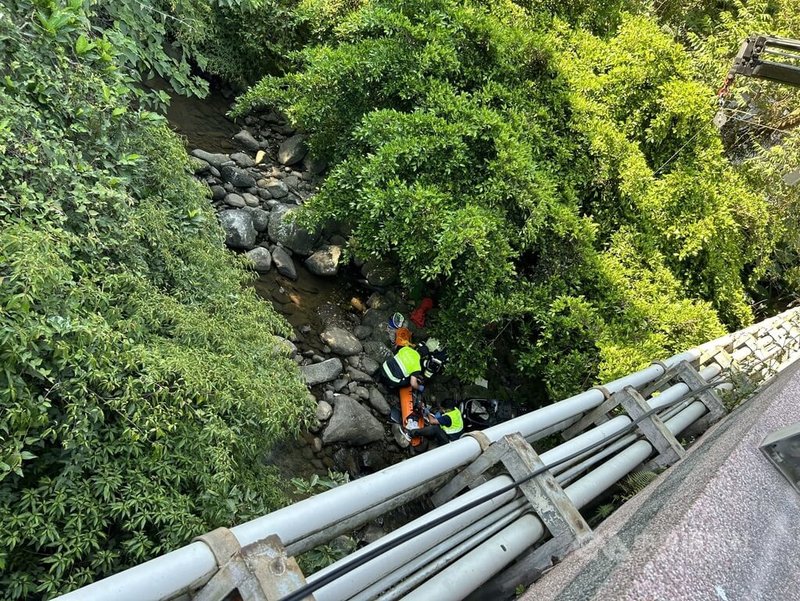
(174, 573)
(476, 567)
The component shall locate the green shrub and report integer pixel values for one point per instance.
(494, 152)
(139, 382)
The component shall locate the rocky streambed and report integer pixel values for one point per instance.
(339, 310)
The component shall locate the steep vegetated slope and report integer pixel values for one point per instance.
(553, 177)
(140, 382)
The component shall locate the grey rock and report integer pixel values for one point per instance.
(214, 159)
(324, 411)
(238, 228)
(313, 165)
(362, 332)
(292, 150)
(325, 261)
(284, 263)
(339, 384)
(338, 240)
(373, 318)
(284, 130)
(319, 373)
(260, 218)
(352, 423)
(237, 177)
(378, 402)
(379, 273)
(369, 365)
(246, 139)
(277, 189)
(292, 181)
(234, 200)
(358, 375)
(273, 118)
(341, 341)
(217, 192)
(317, 358)
(361, 392)
(305, 329)
(243, 160)
(283, 230)
(250, 199)
(353, 360)
(284, 347)
(351, 387)
(262, 260)
(316, 445)
(199, 166)
(377, 351)
(376, 301)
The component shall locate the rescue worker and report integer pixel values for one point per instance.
(445, 425)
(404, 369)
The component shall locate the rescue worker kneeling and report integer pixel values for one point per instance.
(404, 369)
(445, 425)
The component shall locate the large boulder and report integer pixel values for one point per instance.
(283, 230)
(325, 261)
(377, 351)
(262, 260)
(246, 140)
(292, 150)
(235, 200)
(379, 402)
(318, 373)
(341, 341)
(284, 263)
(359, 376)
(260, 218)
(369, 365)
(238, 227)
(238, 177)
(243, 160)
(284, 347)
(352, 424)
(214, 159)
(275, 187)
(324, 411)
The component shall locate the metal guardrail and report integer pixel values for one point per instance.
(454, 557)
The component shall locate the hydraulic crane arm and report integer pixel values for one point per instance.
(751, 61)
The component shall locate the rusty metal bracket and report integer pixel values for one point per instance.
(261, 571)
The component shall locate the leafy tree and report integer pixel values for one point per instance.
(141, 381)
(495, 151)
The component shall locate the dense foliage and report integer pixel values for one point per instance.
(563, 193)
(141, 383)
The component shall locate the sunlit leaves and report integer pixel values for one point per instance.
(139, 388)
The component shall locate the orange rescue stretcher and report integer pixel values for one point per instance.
(411, 418)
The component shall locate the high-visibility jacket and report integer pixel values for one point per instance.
(402, 366)
(456, 422)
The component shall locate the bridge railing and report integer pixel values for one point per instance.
(468, 544)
